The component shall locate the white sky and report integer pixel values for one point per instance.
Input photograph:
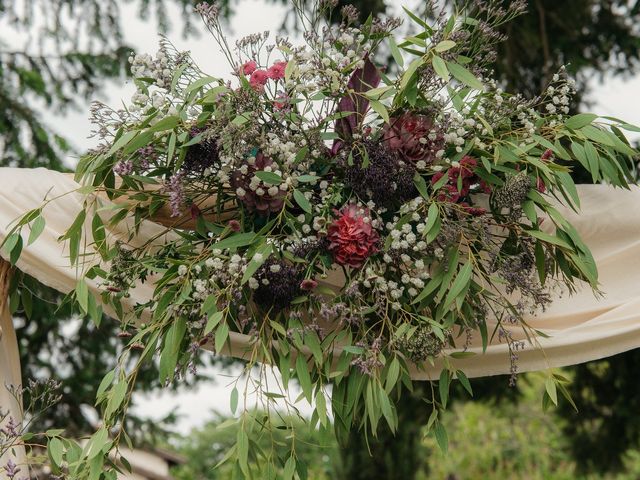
(614, 97)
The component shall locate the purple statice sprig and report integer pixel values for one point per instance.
(174, 187)
(11, 470)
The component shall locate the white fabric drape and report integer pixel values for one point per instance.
(581, 327)
(9, 373)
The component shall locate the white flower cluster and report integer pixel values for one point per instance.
(216, 270)
(260, 187)
(411, 283)
(284, 148)
(329, 60)
(158, 68)
(460, 128)
(560, 99)
(528, 118)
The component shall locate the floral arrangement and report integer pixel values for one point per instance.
(357, 221)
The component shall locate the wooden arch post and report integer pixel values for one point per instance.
(10, 372)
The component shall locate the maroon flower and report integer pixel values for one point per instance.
(351, 237)
(449, 191)
(234, 225)
(475, 211)
(460, 179)
(308, 284)
(264, 203)
(408, 134)
(194, 211)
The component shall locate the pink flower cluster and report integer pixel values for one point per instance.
(258, 77)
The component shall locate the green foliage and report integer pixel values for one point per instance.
(607, 423)
(75, 47)
(207, 446)
(58, 343)
(487, 440)
(53, 72)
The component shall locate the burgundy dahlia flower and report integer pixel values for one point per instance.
(414, 137)
(351, 237)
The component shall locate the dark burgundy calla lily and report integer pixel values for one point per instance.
(362, 80)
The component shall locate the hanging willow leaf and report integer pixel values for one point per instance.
(580, 120)
(465, 76)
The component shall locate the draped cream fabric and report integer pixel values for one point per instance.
(9, 370)
(581, 327)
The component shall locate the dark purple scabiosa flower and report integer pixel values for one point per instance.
(254, 194)
(309, 246)
(379, 174)
(202, 155)
(278, 284)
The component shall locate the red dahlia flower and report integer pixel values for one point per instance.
(408, 134)
(351, 237)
